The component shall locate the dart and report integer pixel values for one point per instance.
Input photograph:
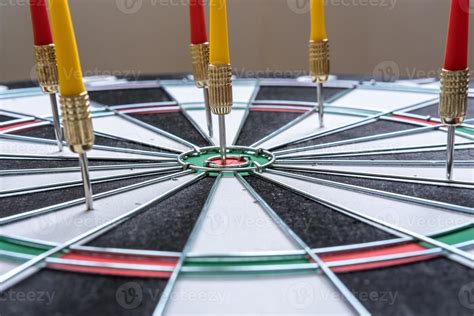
(220, 70)
(200, 54)
(455, 77)
(74, 98)
(45, 59)
(319, 53)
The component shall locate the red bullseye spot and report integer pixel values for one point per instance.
(230, 161)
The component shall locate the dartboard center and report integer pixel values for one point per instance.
(238, 160)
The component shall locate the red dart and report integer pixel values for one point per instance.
(198, 22)
(41, 28)
(457, 44)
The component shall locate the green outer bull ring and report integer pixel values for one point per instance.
(256, 159)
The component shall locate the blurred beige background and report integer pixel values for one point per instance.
(131, 37)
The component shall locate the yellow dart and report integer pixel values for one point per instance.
(319, 53)
(74, 99)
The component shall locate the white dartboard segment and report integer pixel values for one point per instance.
(117, 126)
(273, 294)
(233, 122)
(39, 105)
(237, 227)
(36, 105)
(382, 100)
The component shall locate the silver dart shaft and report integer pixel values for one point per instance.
(208, 112)
(57, 125)
(450, 152)
(320, 104)
(84, 163)
(222, 137)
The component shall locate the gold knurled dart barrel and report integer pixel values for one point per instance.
(319, 64)
(77, 122)
(220, 89)
(46, 68)
(454, 96)
(48, 79)
(200, 61)
(453, 102)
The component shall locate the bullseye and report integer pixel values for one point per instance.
(229, 161)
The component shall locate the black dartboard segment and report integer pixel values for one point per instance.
(165, 226)
(18, 164)
(66, 293)
(175, 123)
(318, 226)
(129, 96)
(31, 201)
(428, 288)
(47, 132)
(371, 129)
(261, 123)
(452, 195)
(433, 110)
(4, 118)
(305, 94)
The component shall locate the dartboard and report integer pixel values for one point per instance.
(355, 217)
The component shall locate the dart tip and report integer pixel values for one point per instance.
(208, 112)
(222, 138)
(320, 104)
(321, 117)
(450, 152)
(84, 163)
(449, 175)
(56, 123)
(90, 204)
(223, 156)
